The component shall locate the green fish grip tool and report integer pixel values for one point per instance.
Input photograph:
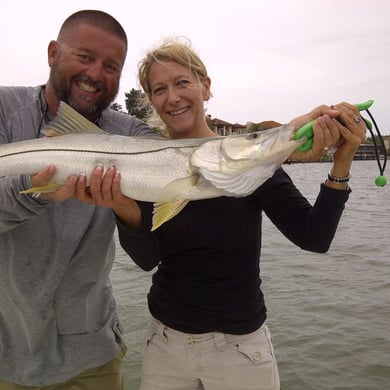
(307, 130)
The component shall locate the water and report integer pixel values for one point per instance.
(329, 313)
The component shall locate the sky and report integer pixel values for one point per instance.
(267, 60)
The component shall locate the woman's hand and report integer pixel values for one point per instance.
(105, 191)
(352, 133)
(325, 132)
(345, 134)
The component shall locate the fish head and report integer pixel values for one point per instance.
(259, 144)
(239, 164)
(236, 153)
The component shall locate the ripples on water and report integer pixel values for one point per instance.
(329, 313)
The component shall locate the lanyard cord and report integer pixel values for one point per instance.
(380, 180)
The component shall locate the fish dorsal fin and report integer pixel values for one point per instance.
(163, 212)
(69, 121)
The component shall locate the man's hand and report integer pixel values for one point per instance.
(46, 175)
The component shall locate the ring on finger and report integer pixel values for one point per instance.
(357, 119)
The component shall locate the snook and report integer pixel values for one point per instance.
(168, 172)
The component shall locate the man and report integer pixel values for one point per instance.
(58, 321)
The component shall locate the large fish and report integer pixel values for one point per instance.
(168, 172)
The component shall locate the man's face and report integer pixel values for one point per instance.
(85, 69)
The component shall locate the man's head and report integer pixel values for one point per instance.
(86, 62)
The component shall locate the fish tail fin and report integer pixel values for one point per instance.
(163, 212)
(69, 121)
(36, 191)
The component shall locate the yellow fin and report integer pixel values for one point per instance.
(180, 186)
(163, 212)
(69, 121)
(36, 191)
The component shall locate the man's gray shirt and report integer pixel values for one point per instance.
(57, 312)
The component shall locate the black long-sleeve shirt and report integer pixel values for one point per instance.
(208, 275)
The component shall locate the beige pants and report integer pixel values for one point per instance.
(209, 361)
(106, 377)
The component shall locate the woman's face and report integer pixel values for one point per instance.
(178, 96)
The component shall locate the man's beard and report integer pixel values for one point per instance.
(63, 93)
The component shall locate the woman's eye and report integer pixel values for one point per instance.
(158, 90)
(182, 82)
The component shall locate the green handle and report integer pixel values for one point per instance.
(307, 130)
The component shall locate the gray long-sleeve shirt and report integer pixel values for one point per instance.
(57, 311)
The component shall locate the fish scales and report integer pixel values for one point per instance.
(146, 164)
(168, 172)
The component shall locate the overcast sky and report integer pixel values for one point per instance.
(268, 60)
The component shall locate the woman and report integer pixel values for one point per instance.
(208, 327)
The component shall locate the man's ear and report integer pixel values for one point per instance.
(52, 52)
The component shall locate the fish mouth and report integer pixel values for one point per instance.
(178, 111)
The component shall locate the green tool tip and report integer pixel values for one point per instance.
(381, 181)
(365, 105)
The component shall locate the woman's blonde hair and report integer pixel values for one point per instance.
(174, 49)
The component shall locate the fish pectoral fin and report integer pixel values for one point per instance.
(163, 212)
(180, 186)
(36, 191)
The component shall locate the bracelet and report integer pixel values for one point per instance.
(335, 179)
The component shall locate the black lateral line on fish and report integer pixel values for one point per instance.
(93, 151)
